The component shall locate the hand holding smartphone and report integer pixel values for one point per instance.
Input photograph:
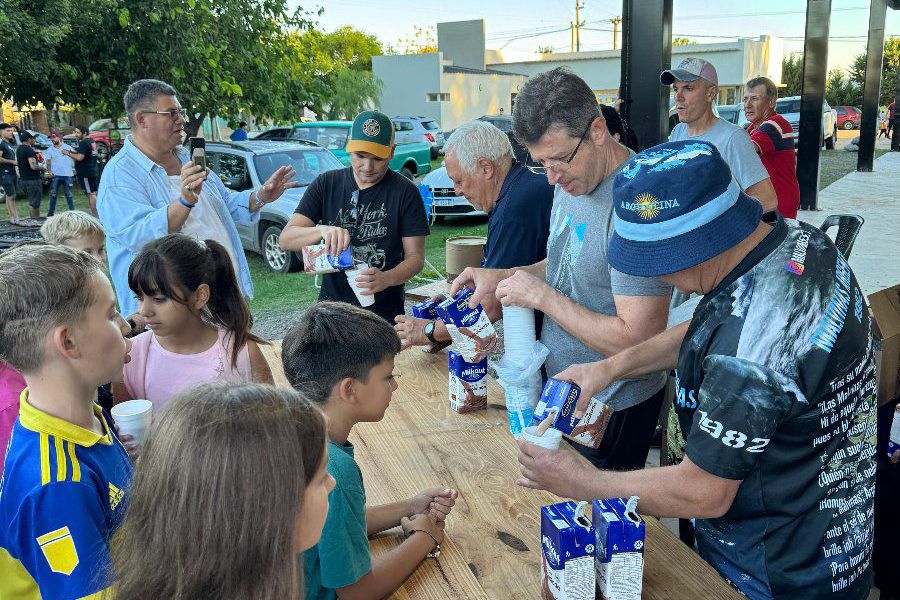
(198, 151)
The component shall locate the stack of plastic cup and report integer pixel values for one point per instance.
(352, 275)
(133, 418)
(519, 344)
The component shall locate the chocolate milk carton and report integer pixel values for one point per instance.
(427, 309)
(562, 397)
(468, 383)
(317, 261)
(567, 544)
(474, 336)
(619, 559)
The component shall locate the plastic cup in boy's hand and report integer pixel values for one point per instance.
(133, 417)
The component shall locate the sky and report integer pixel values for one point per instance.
(513, 25)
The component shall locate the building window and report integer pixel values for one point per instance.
(437, 97)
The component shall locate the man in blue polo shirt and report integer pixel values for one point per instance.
(479, 159)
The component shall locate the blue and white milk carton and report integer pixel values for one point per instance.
(474, 336)
(427, 309)
(316, 260)
(894, 441)
(567, 543)
(619, 559)
(562, 397)
(467, 387)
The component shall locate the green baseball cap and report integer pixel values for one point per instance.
(372, 132)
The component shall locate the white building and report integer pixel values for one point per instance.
(463, 80)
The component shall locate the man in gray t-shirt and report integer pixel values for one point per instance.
(696, 86)
(591, 311)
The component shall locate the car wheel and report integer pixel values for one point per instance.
(277, 259)
(407, 172)
(829, 143)
(848, 125)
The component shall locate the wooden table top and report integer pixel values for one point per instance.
(493, 547)
(428, 290)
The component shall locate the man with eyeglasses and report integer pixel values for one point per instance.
(150, 188)
(591, 310)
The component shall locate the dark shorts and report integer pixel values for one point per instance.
(88, 183)
(33, 189)
(8, 183)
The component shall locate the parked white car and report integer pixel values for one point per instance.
(789, 108)
(446, 202)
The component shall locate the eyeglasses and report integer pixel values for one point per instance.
(173, 114)
(560, 165)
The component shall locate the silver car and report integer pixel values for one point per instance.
(247, 165)
(419, 129)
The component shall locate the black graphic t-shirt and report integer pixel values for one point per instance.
(775, 387)
(88, 166)
(8, 153)
(23, 153)
(377, 219)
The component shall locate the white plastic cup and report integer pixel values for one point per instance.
(352, 275)
(133, 418)
(550, 440)
(518, 332)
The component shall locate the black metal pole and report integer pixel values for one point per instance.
(868, 126)
(646, 52)
(815, 62)
(895, 139)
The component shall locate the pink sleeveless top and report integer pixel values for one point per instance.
(155, 374)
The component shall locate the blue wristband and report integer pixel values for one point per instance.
(185, 204)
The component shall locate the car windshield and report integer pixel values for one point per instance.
(787, 106)
(729, 114)
(308, 163)
(332, 138)
(430, 125)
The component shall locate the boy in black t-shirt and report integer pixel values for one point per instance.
(372, 209)
(775, 383)
(8, 175)
(30, 172)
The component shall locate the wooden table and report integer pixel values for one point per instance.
(493, 547)
(428, 290)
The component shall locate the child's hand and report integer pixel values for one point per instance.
(436, 502)
(133, 450)
(423, 523)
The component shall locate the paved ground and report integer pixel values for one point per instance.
(875, 197)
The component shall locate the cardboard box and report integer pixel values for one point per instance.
(619, 561)
(567, 545)
(562, 396)
(885, 309)
(317, 261)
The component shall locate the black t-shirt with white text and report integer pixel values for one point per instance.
(775, 387)
(377, 219)
(86, 167)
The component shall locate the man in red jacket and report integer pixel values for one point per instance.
(773, 138)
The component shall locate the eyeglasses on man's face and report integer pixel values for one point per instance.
(561, 165)
(174, 113)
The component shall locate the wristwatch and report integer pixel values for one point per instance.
(429, 332)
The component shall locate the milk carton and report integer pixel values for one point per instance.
(619, 559)
(567, 544)
(474, 336)
(427, 309)
(562, 397)
(468, 383)
(317, 260)
(894, 440)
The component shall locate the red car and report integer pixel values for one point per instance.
(848, 117)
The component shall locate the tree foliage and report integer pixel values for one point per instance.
(222, 56)
(421, 41)
(682, 41)
(792, 74)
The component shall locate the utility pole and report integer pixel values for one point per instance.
(578, 24)
(572, 28)
(615, 23)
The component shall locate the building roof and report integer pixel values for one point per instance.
(455, 69)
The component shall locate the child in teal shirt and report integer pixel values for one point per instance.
(344, 356)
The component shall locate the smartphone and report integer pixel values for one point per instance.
(198, 151)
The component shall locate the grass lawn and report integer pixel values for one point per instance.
(275, 292)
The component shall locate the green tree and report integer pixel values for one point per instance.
(682, 41)
(792, 74)
(841, 91)
(889, 69)
(545, 50)
(421, 41)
